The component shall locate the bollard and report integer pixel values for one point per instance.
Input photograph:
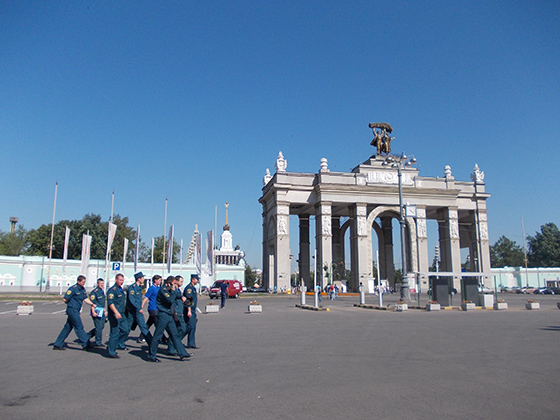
(362, 295)
(316, 298)
(303, 290)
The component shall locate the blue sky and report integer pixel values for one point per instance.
(193, 101)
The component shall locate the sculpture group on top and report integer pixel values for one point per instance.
(382, 140)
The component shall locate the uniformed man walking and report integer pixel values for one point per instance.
(134, 312)
(166, 304)
(191, 295)
(97, 296)
(119, 328)
(74, 298)
(178, 315)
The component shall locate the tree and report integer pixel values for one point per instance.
(158, 250)
(13, 243)
(39, 239)
(506, 252)
(544, 247)
(250, 277)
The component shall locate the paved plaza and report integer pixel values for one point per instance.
(291, 363)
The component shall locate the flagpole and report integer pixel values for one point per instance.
(152, 258)
(164, 228)
(181, 259)
(48, 286)
(214, 243)
(108, 254)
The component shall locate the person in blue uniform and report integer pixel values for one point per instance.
(97, 296)
(166, 308)
(134, 312)
(191, 295)
(119, 328)
(223, 293)
(180, 323)
(150, 299)
(74, 298)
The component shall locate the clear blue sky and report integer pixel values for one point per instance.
(193, 100)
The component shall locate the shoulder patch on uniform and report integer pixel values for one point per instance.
(189, 291)
(132, 292)
(110, 296)
(92, 297)
(68, 292)
(166, 294)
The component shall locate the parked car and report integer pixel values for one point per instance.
(256, 290)
(540, 291)
(204, 289)
(485, 290)
(234, 289)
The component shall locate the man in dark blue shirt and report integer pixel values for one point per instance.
(97, 296)
(74, 298)
(224, 292)
(115, 308)
(134, 312)
(191, 295)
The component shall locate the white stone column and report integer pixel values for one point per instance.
(323, 239)
(282, 246)
(358, 246)
(450, 244)
(423, 257)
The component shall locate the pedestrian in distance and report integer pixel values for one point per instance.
(224, 287)
(74, 298)
(97, 296)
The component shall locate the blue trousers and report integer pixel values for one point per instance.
(181, 332)
(224, 296)
(166, 322)
(98, 324)
(73, 322)
(191, 328)
(118, 334)
(133, 315)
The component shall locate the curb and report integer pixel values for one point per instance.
(312, 308)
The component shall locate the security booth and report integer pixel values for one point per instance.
(469, 289)
(441, 287)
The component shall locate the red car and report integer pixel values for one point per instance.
(234, 288)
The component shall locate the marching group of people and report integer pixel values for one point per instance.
(170, 310)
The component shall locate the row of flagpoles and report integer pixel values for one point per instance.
(112, 230)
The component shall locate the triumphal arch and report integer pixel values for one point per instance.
(361, 204)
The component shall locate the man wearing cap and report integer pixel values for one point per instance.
(178, 315)
(191, 295)
(134, 312)
(115, 308)
(166, 305)
(97, 296)
(74, 298)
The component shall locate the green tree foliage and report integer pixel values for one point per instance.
(544, 247)
(506, 252)
(39, 238)
(250, 277)
(158, 250)
(13, 243)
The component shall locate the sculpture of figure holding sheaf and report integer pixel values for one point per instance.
(382, 140)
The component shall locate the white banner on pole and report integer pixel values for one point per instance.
(210, 255)
(124, 253)
(65, 252)
(198, 254)
(170, 250)
(86, 247)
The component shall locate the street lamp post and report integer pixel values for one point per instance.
(400, 162)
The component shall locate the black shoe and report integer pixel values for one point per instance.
(115, 356)
(58, 348)
(193, 347)
(185, 357)
(155, 360)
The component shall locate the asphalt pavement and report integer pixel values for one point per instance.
(292, 363)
